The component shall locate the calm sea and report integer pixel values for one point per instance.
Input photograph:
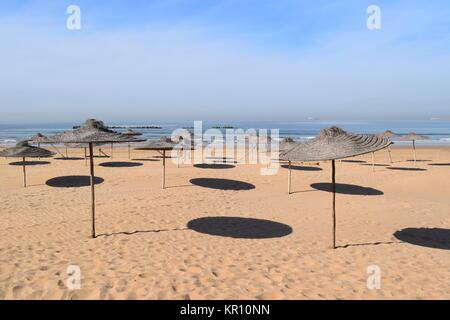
(437, 131)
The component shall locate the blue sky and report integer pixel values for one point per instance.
(223, 60)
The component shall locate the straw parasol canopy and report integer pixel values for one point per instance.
(391, 135)
(24, 150)
(388, 134)
(91, 132)
(162, 145)
(130, 133)
(332, 144)
(39, 138)
(287, 144)
(412, 136)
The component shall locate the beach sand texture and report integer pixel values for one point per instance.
(254, 242)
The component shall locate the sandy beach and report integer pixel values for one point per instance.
(197, 240)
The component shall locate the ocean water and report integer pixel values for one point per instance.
(437, 131)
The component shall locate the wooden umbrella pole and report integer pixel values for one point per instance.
(164, 170)
(67, 154)
(373, 161)
(178, 158)
(389, 152)
(85, 157)
(91, 158)
(257, 151)
(289, 178)
(24, 173)
(57, 150)
(224, 152)
(414, 151)
(333, 179)
(112, 150)
(129, 151)
(39, 145)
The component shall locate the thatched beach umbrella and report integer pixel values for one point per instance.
(391, 135)
(413, 137)
(130, 133)
(24, 150)
(40, 138)
(287, 144)
(91, 132)
(162, 145)
(333, 144)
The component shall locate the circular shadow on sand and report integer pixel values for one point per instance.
(69, 158)
(144, 159)
(375, 165)
(439, 164)
(222, 184)
(406, 169)
(29, 163)
(72, 181)
(120, 164)
(350, 189)
(303, 168)
(412, 160)
(425, 237)
(237, 227)
(213, 166)
(354, 161)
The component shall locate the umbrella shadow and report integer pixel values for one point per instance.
(406, 169)
(412, 160)
(354, 161)
(120, 164)
(214, 166)
(222, 161)
(129, 233)
(439, 164)
(238, 227)
(436, 238)
(367, 244)
(222, 184)
(350, 189)
(375, 165)
(72, 181)
(29, 163)
(153, 160)
(69, 158)
(303, 168)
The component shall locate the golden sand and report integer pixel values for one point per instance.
(147, 251)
